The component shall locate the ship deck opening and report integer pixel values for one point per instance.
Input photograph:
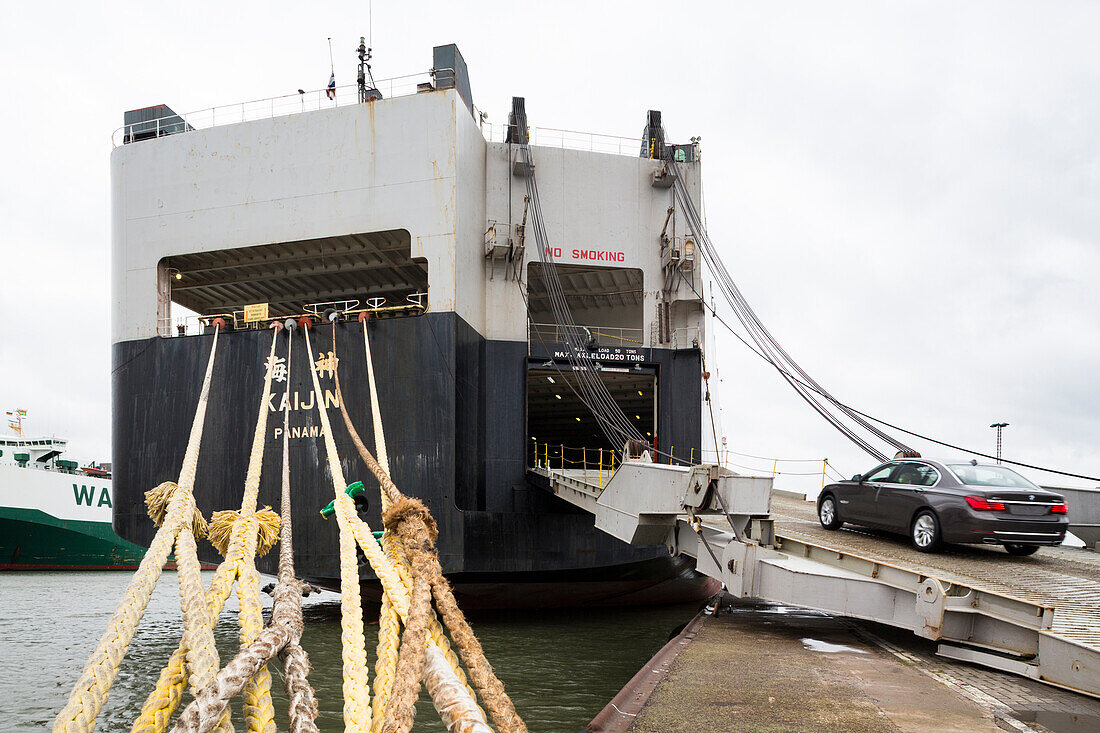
(374, 268)
(561, 427)
(607, 301)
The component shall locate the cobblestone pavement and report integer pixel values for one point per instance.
(1017, 703)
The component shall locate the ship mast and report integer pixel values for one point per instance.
(366, 93)
(15, 420)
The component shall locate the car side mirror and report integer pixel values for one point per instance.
(858, 478)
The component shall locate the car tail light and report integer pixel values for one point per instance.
(1058, 509)
(981, 504)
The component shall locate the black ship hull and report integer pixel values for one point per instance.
(454, 407)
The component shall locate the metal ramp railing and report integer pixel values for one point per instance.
(1037, 619)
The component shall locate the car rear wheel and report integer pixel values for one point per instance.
(1013, 548)
(827, 513)
(925, 532)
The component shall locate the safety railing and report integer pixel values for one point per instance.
(772, 466)
(196, 325)
(591, 336)
(182, 325)
(236, 320)
(686, 338)
(348, 94)
(595, 465)
(549, 137)
(281, 106)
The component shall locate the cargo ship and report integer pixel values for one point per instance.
(56, 514)
(398, 200)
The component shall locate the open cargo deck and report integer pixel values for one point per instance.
(1036, 616)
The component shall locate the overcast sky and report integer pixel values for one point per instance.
(907, 193)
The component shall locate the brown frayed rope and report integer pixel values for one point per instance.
(410, 520)
(410, 661)
(407, 513)
(481, 672)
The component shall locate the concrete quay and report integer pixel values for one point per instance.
(766, 668)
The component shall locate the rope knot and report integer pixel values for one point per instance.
(223, 524)
(158, 501)
(407, 508)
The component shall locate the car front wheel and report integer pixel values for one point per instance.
(827, 513)
(1013, 548)
(925, 532)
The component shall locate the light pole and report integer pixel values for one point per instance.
(999, 426)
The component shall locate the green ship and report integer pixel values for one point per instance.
(55, 514)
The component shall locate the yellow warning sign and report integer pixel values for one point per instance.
(255, 312)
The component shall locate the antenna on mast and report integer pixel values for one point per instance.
(371, 93)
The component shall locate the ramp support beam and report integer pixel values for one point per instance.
(721, 519)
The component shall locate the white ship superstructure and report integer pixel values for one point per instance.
(55, 514)
(410, 211)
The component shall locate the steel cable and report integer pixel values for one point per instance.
(614, 424)
(767, 346)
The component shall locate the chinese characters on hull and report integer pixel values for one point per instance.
(281, 401)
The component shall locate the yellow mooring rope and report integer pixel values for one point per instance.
(240, 536)
(389, 622)
(357, 709)
(406, 564)
(281, 637)
(172, 507)
(411, 520)
(412, 604)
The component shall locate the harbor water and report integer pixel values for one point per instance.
(560, 668)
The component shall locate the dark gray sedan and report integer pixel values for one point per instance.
(937, 502)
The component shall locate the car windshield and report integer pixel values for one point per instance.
(991, 476)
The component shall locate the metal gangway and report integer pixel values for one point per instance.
(1037, 616)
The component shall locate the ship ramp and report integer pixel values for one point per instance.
(1036, 616)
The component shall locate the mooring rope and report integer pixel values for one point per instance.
(287, 609)
(240, 536)
(406, 564)
(282, 636)
(400, 590)
(357, 710)
(409, 519)
(389, 620)
(172, 508)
